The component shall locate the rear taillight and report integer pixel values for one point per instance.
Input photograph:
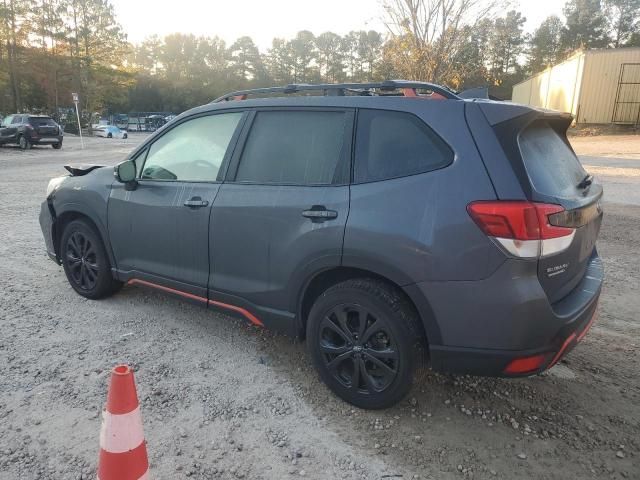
(522, 228)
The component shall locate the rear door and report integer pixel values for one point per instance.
(282, 211)
(159, 230)
(556, 176)
(5, 128)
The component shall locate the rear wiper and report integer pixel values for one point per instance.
(586, 181)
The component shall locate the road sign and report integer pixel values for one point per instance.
(75, 101)
(75, 97)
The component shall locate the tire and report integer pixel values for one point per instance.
(125, 136)
(57, 146)
(85, 261)
(24, 143)
(109, 135)
(389, 347)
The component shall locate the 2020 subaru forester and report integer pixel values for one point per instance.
(385, 225)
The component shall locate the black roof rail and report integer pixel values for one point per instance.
(339, 89)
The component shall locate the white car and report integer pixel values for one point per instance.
(109, 131)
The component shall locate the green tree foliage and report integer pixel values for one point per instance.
(546, 46)
(624, 21)
(50, 48)
(586, 25)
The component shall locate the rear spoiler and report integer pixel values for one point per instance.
(82, 169)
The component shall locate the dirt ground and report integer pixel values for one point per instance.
(224, 400)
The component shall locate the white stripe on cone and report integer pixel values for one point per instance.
(125, 431)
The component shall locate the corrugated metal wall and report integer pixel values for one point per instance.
(557, 88)
(587, 85)
(600, 86)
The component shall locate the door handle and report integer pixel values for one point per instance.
(319, 213)
(196, 202)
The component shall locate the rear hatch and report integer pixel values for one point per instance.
(549, 172)
(44, 126)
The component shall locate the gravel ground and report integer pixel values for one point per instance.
(224, 400)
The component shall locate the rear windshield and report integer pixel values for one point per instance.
(551, 164)
(41, 122)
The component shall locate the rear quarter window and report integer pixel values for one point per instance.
(396, 144)
(552, 166)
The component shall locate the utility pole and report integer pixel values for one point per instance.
(75, 101)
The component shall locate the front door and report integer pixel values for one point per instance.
(159, 230)
(283, 210)
(7, 130)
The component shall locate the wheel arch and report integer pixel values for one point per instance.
(66, 217)
(324, 279)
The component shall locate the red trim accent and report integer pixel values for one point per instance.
(566, 343)
(131, 465)
(248, 315)
(134, 281)
(240, 97)
(409, 92)
(588, 327)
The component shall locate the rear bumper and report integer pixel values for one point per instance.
(46, 140)
(486, 325)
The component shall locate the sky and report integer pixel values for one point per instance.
(263, 20)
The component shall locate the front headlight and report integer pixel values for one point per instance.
(54, 183)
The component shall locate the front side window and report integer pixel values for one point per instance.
(294, 147)
(396, 144)
(192, 151)
(16, 120)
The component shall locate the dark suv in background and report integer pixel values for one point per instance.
(384, 225)
(28, 130)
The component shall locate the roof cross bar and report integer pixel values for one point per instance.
(340, 89)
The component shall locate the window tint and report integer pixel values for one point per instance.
(552, 166)
(16, 120)
(192, 151)
(395, 144)
(294, 147)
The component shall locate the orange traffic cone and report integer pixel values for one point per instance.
(123, 450)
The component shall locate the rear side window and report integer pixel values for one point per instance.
(16, 120)
(552, 166)
(396, 144)
(294, 147)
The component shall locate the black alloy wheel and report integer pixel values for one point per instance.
(85, 261)
(82, 260)
(365, 340)
(358, 349)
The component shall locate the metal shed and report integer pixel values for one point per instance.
(596, 86)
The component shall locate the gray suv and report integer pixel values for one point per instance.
(389, 224)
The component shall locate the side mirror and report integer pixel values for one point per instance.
(125, 172)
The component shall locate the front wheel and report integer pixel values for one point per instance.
(85, 261)
(364, 339)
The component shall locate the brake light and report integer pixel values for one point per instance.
(522, 228)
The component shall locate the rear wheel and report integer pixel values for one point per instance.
(109, 135)
(57, 146)
(364, 339)
(85, 261)
(125, 136)
(24, 143)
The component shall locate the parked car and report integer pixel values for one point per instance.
(109, 131)
(28, 130)
(384, 226)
